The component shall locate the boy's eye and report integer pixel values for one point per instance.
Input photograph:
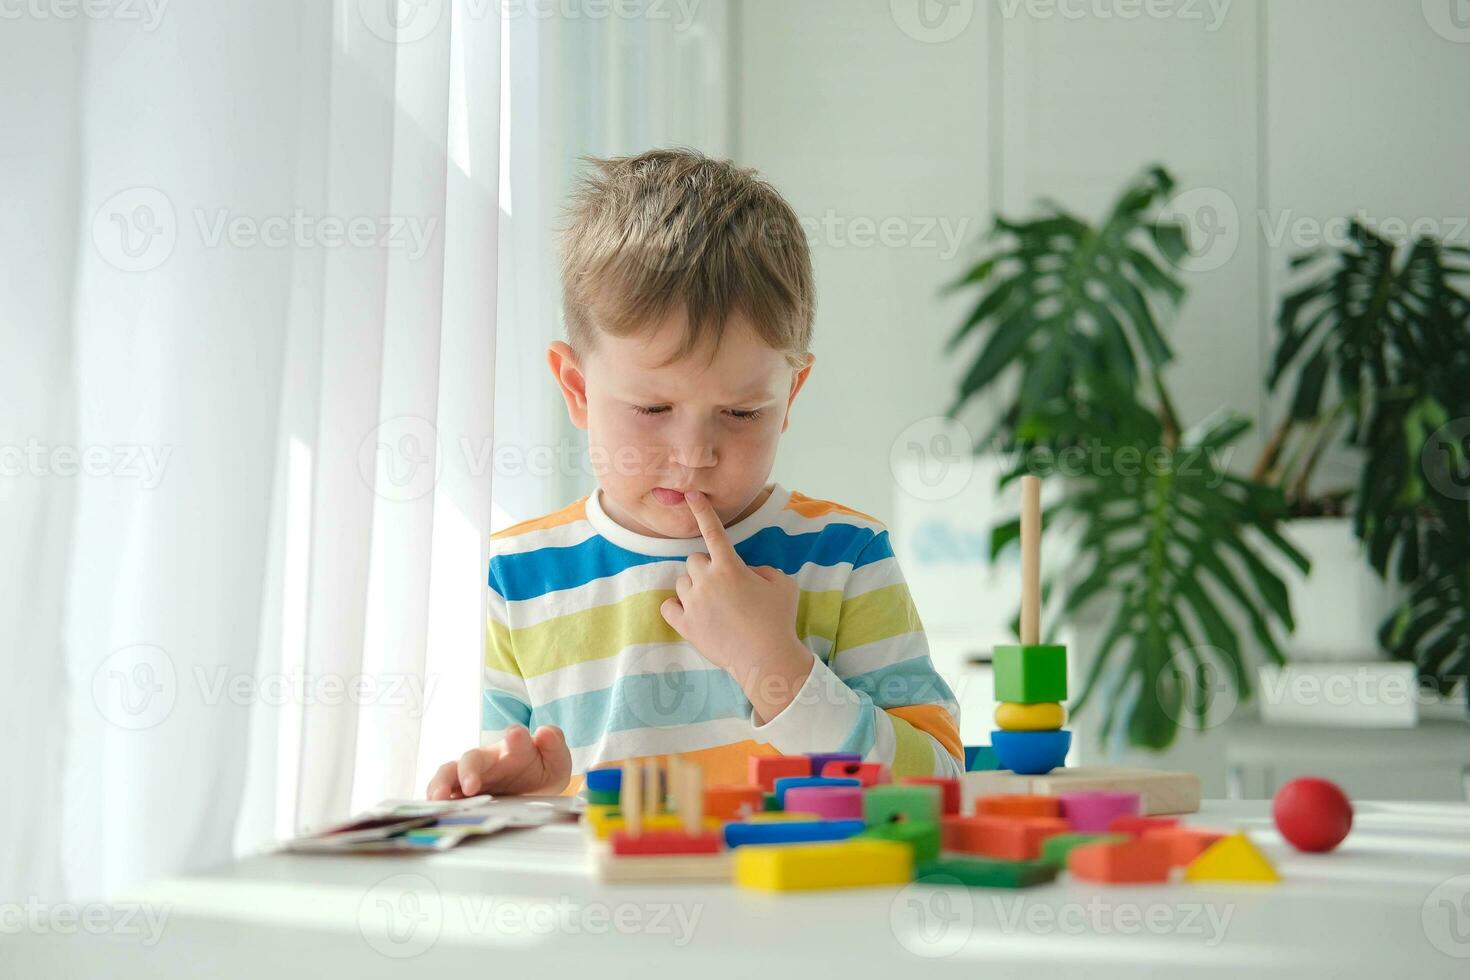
(739, 414)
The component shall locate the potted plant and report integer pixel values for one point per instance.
(1072, 349)
(1375, 340)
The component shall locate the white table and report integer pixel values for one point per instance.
(1394, 901)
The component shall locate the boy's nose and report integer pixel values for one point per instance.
(693, 456)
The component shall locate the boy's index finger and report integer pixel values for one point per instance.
(710, 527)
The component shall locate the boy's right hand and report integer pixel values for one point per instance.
(519, 764)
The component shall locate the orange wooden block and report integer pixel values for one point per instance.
(866, 773)
(1018, 805)
(949, 791)
(731, 802)
(1136, 826)
(1184, 843)
(1009, 838)
(1121, 863)
(766, 769)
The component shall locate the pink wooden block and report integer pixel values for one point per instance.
(828, 802)
(1094, 811)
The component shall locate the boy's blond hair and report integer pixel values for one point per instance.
(672, 227)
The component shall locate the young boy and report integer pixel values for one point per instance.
(690, 605)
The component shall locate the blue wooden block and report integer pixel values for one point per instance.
(791, 831)
(980, 758)
(820, 759)
(608, 779)
(1031, 753)
(791, 782)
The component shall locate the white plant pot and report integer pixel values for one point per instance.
(1340, 605)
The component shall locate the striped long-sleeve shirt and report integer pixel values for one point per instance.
(574, 638)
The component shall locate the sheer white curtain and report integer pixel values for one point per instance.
(249, 354)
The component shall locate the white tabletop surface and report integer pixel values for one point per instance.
(1393, 901)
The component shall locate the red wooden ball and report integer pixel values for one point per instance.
(1312, 814)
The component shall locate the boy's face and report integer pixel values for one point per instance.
(653, 431)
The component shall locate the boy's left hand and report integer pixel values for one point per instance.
(741, 618)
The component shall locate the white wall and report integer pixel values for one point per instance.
(1310, 108)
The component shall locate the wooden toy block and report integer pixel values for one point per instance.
(1054, 850)
(790, 831)
(866, 773)
(1009, 838)
(770, 802)
(978, 872)
(1019, 805)
(660, 867)
(922, 837)
(787, 783)
(821, 759)
(980, 758)
(1031, 753)
(1030, 673)
(949, 790)
(777, 816)
(1093, 811)
(1044, 716)
(828, 802)
(1136, 826)
(885, 804)
(998, 782)
(844, 864)
(766, 769)
(1232, 858)
(1128, 862)
(664, 842)
(601, 797)
(603, 828)
(1184, 843)
(732, 802)
(604, 778)
(1158, 791)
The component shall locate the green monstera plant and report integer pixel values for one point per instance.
(1376, 338)
(1072, 345)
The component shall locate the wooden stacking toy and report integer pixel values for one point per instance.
(1030, 679)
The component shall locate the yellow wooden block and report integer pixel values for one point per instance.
(1232, 858)
(1045, 716)
(838, 864)
(603, 824)
(658, 867)
(780, 816)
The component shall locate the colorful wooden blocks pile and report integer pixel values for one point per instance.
(825, 821)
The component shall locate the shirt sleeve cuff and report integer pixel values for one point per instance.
(819, 719)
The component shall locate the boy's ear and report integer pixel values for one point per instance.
(567, 371)
(797, 380)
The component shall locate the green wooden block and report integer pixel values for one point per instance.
(1054, 849)
(985, 872)
(770, 801)
(921, 835)
(892, 801)
(1030, 674)
(603, 796)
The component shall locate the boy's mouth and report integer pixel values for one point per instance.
(673, 498)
